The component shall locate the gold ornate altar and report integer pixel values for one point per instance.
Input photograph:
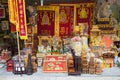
(103, 29)
(46, 39)
(102, 36)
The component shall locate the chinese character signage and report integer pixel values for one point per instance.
(18, 16)
(22, 19)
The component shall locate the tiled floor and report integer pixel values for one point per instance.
(108, 74)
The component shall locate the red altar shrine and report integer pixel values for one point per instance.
(48, 20)
(67, 16)
(66, 22)
(84, 14)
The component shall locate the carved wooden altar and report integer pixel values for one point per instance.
(95, 31)
(102, 36)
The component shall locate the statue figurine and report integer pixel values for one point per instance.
(83, 13)
(63, 17)
(45, 19)
(104, 10)
(85, 42)
(29, 66)
(76, 44)
(77, 63)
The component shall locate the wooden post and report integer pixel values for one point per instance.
(18, 44)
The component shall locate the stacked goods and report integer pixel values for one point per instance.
(34, 64)
(108, 62)
(85, 65)
(108, 55)
(40, 58)
(92, 66)
(9, 66)
(98, 68)
(70, 64)
(108, 59)
(74, 65)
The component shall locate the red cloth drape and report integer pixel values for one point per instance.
(66, 20)
(84, 14)
(13, 28)
(46, 22)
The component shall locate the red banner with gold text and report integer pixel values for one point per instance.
(21, 17)
(66, 19)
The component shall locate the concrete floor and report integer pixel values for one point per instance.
(108, 74)
(57, 78)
